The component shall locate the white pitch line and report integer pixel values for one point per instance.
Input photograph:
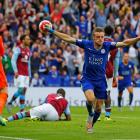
(14, 138)
(134, 118)
(125, 139)
(119, 117)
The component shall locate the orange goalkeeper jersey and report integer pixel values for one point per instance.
(3, 81)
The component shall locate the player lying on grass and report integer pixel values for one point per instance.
(50, 110)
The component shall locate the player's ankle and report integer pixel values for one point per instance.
(107, 116)
(10, 103)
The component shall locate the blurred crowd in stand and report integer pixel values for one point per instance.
(53, 61)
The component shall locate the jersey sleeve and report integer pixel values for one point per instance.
(81, 43)
(67, 110)
(16, 53)
(1, 47)
(110, 45)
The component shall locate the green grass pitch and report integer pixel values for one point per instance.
(124, 126)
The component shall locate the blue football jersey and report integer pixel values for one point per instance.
(126, 71)
(95, 60)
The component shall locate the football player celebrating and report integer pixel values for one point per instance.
(93, 76)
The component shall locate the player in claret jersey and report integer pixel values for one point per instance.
(51, 110)
(21, 65)
(93, 76)
(111, 70)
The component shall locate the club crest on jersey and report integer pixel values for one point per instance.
(113, 43)
(102, 51)
(129, 66)
(80, 40)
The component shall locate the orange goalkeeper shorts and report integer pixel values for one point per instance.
(3, 80)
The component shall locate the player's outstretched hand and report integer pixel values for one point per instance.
(49, 29)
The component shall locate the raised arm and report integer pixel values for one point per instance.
(62, 36)
(128, 42)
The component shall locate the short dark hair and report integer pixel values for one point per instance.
(23, 37)
(61, 91)
(98, 29)
(108, 30)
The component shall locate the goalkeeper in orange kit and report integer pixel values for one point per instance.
(3, 85)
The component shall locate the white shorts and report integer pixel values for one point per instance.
(21, 81)
(109, 83)
(45, 112)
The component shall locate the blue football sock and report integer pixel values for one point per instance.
(95, 117)
(11, 118)
(119, 101)
(130, 98)
(89, 109)
(16, 94)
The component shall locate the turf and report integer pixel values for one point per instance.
(124, 126)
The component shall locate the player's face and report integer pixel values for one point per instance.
(27, 41)
(98, 38)
(126, 58)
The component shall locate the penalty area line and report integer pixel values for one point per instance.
(14, 138)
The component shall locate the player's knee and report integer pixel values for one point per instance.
(130, 90)
(90, 100)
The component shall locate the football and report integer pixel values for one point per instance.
(43, 24)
